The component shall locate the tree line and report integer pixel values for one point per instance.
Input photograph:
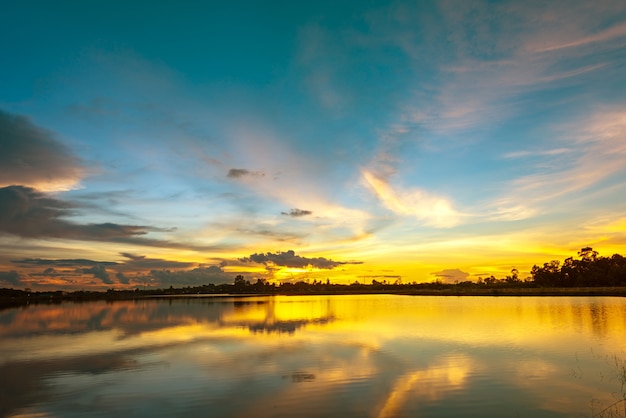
(589, 270)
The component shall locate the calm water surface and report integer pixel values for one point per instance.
(348, 356)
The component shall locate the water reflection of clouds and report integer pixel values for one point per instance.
(431, 384)
(394, 358)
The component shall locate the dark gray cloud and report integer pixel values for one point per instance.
(195, 277)
(11, 278)
(122, 278)
(290, 259)
(99, 272)
(28, 213)
(141, 262)
(30, 155)
(160, 270)
(163, 273)
(52, 272)
(296, 213)
(70, 262)
(80, 266)
(235, 173)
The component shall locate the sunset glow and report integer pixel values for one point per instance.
(155, 144)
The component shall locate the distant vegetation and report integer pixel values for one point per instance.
(588, 271)
(588, 274)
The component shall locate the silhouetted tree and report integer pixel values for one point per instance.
(240, 283)
(514, 277)
(591, 270)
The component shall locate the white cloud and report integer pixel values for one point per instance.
(433, 210)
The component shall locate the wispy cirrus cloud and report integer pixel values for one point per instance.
(614, 33)
(534, 153)
(489, 57)
(595, 152)
(491, 62)
(600, 147)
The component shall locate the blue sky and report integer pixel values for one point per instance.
(341, 140)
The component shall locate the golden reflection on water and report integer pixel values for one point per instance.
(435, 382)
(374, 355)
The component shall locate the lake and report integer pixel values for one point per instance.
(314, 356)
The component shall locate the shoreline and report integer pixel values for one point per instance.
(58, 297)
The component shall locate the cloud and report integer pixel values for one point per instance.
(52, 272)
(451, 275)
(31, 156)
(81, 266)
(536, 153)
(435, 211)
(195, 277)
(290, 259)
(28, 213)
(11, 278)
(489, 58)
(76, 262)
(99, 272)
(607, 35)
(296, 213)
(122, 278)
(66, 268)
(596, 151)
(140, 262)
(236, 173)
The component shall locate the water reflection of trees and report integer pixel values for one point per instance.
(288, 327)
(139, 316)
(268, 316)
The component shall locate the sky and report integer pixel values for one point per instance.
(156, 144)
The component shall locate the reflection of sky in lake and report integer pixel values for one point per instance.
(378, 355)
